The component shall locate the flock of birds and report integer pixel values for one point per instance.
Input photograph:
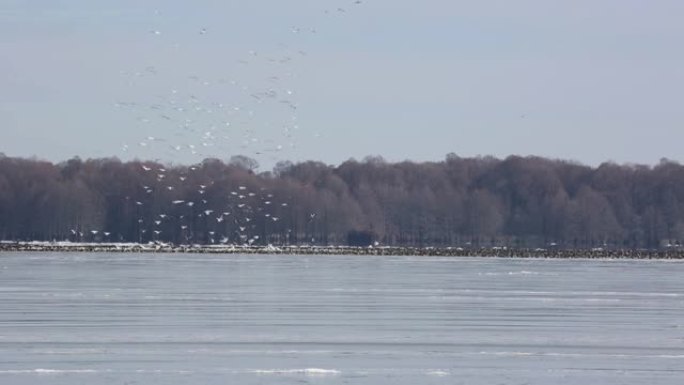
(201, 117)
(235, 214)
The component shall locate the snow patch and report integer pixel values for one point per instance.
(305, 372)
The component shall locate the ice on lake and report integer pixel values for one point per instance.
(231, 319)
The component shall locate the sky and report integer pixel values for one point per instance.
(328, 80)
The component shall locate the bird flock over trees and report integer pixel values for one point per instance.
(201, 116)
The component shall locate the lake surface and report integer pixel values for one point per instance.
(231, 319)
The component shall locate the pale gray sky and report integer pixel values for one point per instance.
(588, 80)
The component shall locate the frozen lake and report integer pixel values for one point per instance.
(207, 319)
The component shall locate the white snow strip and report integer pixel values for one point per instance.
(306, 372)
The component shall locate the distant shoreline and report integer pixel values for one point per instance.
(496, 252)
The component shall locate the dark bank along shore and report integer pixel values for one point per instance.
(345, 250)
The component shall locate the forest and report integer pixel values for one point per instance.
(478, 202)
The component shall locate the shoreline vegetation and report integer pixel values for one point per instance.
(481, 203)
(491, 252)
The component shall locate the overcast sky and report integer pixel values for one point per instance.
(586, 80)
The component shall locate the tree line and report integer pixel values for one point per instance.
(480, 201)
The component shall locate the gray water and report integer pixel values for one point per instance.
(204, 319)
